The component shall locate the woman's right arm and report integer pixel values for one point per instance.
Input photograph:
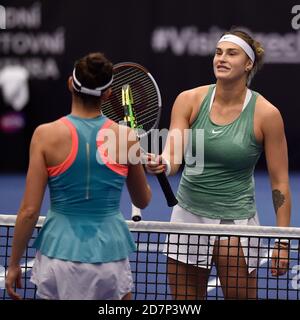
(28, 214)
(137, 185)
(174, 147)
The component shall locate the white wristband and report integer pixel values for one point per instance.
(168, 166)
(285, 241)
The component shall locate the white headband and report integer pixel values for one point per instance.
(93, 92)
(240, 42)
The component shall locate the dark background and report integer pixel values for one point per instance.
(124, 30)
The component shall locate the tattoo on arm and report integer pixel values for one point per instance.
(278, 199)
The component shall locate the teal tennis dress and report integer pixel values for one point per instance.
(84, 223)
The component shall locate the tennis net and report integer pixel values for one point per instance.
(193, 261)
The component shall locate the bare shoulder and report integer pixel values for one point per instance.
(120, 128)
(124, 131)
(194, 95)
(121, 138)
(188, 102)
(266, 110)
(268, 116)
(50, 132)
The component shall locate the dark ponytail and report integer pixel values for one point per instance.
(92, 71)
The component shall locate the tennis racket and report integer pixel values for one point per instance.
(144, 111)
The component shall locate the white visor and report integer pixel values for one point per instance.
(241, 43)
(93, 92)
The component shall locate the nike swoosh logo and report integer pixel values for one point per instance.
(213, 131)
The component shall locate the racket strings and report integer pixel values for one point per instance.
(145, 97)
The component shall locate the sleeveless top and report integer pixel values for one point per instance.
(221, 185)
(84, 223)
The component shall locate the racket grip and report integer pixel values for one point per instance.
(136, 214)
(167, 190)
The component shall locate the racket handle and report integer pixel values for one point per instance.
(136, 214)
(167, 190)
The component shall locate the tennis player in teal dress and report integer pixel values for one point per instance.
(84, 244)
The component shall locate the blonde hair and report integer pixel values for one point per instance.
(257, 48)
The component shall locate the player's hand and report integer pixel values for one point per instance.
(279, 261)
(13, 278)
(154, 163)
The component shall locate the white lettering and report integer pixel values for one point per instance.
(279, 48)
(115, 310)
(21, 43)
(28, 40)
(22, 17)
(194, 153)
(2, 17)
(38, 68)
(296, 278)
(2, 277)
(296, 19)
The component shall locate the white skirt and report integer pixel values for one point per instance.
(198, 250)
(66, 280)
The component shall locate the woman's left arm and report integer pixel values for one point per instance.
(277, 161)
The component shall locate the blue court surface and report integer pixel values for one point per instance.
(11, 190)
(12, 187)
